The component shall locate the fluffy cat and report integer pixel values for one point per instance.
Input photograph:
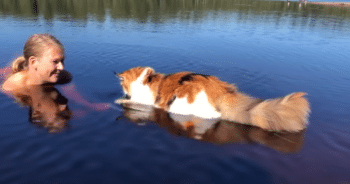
(205, 96)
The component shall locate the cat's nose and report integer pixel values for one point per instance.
(127, 96)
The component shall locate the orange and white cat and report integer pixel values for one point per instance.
(205, 96)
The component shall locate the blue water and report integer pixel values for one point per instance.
(268, 49)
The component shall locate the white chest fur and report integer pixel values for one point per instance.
(141, 93)
(200, 107)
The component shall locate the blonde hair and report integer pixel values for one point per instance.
(34, 46)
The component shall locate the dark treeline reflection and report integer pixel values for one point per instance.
(162, 10)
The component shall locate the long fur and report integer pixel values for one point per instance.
(143, 85)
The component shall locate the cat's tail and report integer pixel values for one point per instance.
(289, 113)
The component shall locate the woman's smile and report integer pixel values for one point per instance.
(51, 64)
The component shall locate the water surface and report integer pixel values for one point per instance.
(267, 48)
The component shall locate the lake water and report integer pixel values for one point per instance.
(267, 48)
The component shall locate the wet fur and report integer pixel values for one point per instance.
(208, 97)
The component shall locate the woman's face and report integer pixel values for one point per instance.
(50, 64)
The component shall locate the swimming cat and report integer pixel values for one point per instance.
(205, 96)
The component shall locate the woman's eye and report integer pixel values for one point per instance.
(58, 61)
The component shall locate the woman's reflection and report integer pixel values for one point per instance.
(47, 107)
(214, 130)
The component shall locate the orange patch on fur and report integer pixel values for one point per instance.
(130, 76)
(178, 85)
(188, 124)
(288, 113)
(153, 80)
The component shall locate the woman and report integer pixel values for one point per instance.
(41, 65)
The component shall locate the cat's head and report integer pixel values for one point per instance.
(135, 76)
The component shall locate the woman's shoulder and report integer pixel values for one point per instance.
(13, 82)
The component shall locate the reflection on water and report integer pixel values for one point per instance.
(160, 11)
(267, 48)
(213, 130)
(47, 107)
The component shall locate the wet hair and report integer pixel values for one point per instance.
(34, 46)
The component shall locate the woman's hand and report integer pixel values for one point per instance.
(71, 92)
(100, 106)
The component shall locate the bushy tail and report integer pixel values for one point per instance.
(289, 113)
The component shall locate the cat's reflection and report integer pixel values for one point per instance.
(47, 107)
(213, 130)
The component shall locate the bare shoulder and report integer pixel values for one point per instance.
(14, 82)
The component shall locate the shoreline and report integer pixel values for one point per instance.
(337, 4)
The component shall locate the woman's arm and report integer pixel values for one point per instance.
(71, 92)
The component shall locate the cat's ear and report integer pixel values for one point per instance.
(119, 76)
(150, 71)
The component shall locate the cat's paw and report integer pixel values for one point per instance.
(122, 101)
